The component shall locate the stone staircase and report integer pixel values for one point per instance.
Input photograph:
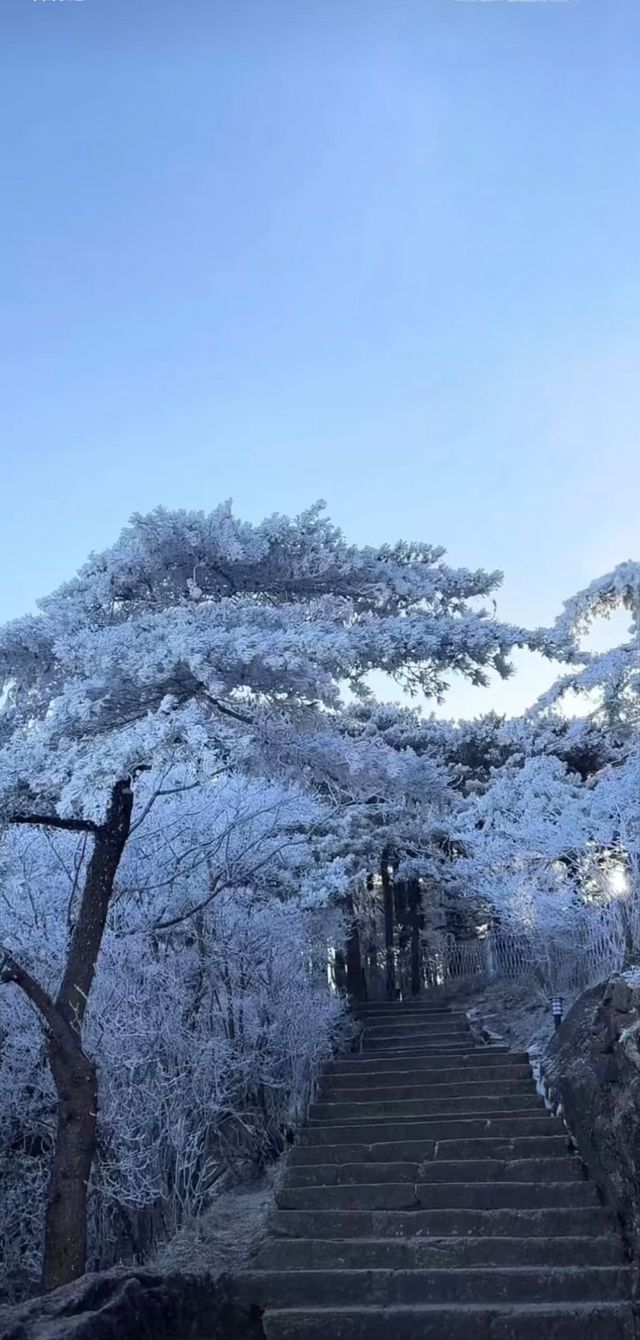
(432, 1197)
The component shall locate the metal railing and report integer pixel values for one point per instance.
(563, 961)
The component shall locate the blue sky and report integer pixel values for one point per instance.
(378, 251)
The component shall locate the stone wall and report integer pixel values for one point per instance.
(133, 1305)
(592, 1068)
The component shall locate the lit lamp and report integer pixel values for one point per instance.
(557, 1005)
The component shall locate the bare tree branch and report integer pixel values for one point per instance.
(12, 971)
(54, 821)
(229, 711)
(191, 911)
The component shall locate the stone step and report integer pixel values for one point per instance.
(446, 1058)
(407, 1028)
(448, 1051)
(432, 1195)
(507, 1321)
(437, 1170)
(353, 1081)
(430, 1018)
(409, 1034)
(389, 1288)
(438, 1196)
(439, 1098)
(413, 1253)
(419, 1037)
(421, 1091)
(398, 1027)
(524, 1100)
(443, 1128)
(492, 1057)
(397, 1007)
(554, 1221)
(410, 1150)
(427, 1022)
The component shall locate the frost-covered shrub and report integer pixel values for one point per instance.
(212, 1052)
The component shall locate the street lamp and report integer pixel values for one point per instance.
(557, 1005)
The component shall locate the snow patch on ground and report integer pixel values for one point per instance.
(226, 1237)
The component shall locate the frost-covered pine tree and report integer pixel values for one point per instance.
(203, 639)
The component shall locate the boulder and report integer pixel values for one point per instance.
(127, 1304)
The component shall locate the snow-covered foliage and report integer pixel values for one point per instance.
(196, 634)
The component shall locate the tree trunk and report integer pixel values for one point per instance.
(75, 1082)
(389, 956)
(74, 1076)
(86, 937)
(401, 905)
(65, 1238)
(416, 919)
(65, 1242)
(356, 984)
(340, 972)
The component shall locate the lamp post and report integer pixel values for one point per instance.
(557, 1005)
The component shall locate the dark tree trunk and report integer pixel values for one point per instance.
(86, 937)
(401, 904)
(76, 1089)
(74, 1075)
(356, 984)
(372, 971)
(340, 972)
(65, 1244)
(416, 920)
(65, 1241)
(389, 956)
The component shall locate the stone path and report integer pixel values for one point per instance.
(432, 1197)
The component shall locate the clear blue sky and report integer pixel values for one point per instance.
(379, 251)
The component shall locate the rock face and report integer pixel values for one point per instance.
(593, 1067)
(133, 1305)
